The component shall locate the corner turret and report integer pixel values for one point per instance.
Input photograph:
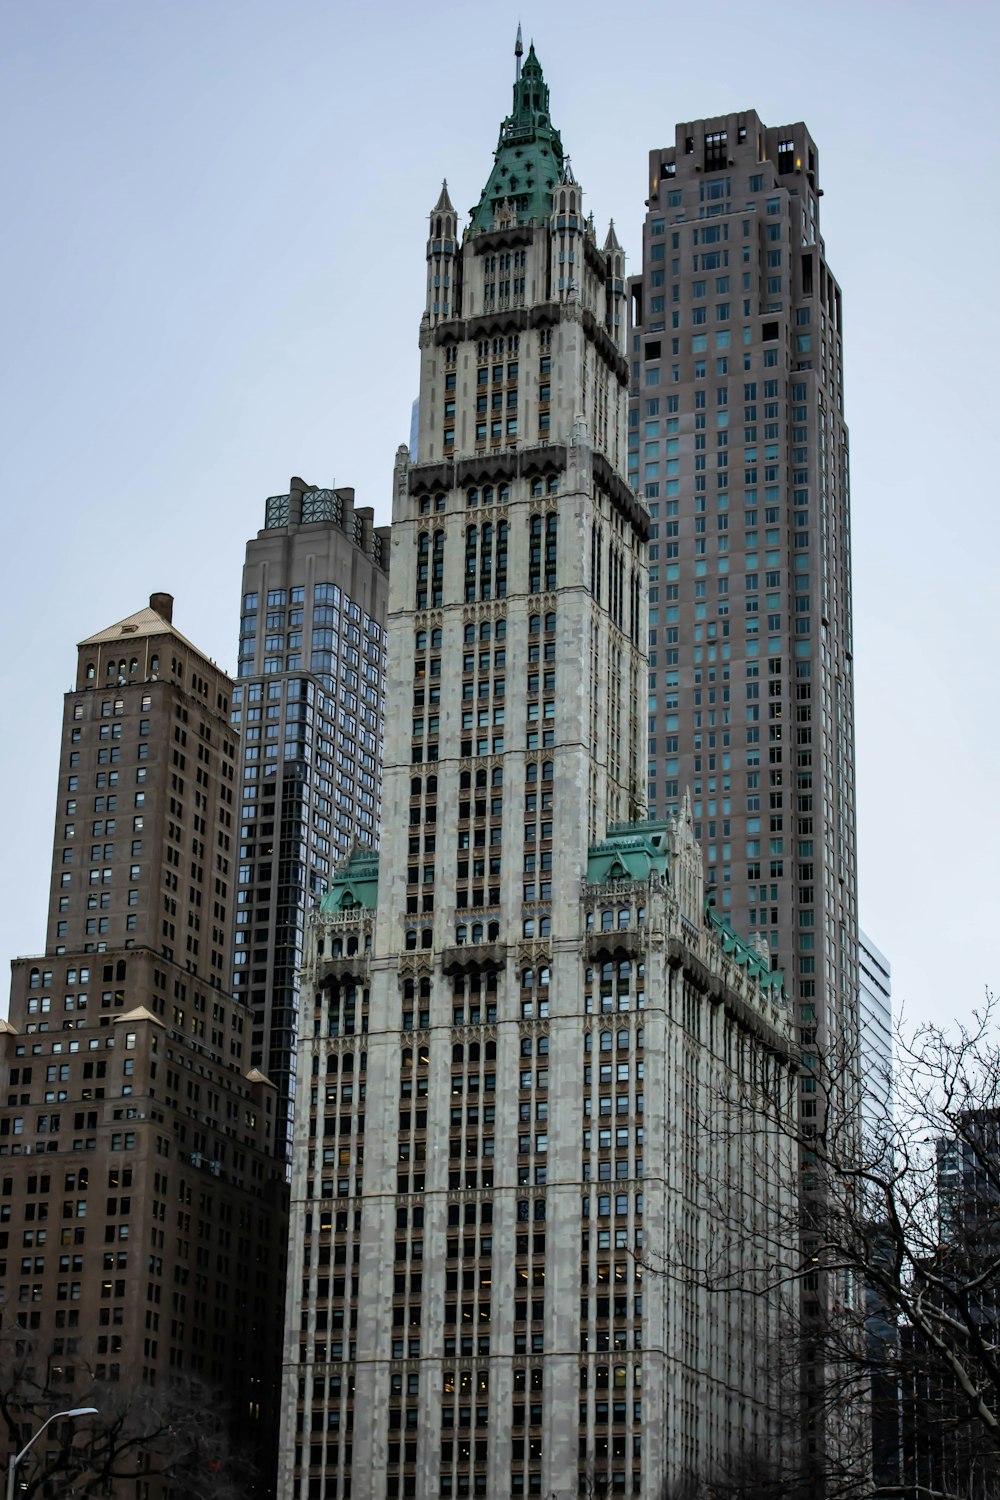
(443, 277)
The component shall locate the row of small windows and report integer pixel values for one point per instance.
(120, 670)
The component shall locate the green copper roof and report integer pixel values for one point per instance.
(631, 851)
(529, 161)
(354, 884)
(743, 954)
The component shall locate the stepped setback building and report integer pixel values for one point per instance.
(527, 1045)
(142, 1215)
(309, 709)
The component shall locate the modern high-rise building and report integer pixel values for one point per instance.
(529, 1046)
(309, 709)
(875, 1016)
(143, 1215)
(738, 443)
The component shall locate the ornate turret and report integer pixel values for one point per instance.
(615, 311)
(442, 243)
(528, 163)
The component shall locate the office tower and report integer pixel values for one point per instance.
(142, 1211)
(309, 708)
(527, 1041)
(875, 1017)
(739, 445)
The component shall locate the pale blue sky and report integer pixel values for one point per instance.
(213, 263)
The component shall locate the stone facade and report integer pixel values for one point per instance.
(527, 1119)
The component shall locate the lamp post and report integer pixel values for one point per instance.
(76, 1411)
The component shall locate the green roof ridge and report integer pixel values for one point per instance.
(745, 954)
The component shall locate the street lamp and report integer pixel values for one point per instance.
(76, 1411)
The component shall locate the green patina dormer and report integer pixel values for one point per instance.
(354, 886)
(744, 954)
(529, 162)
(631, 851)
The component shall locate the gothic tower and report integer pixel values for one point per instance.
(471, 1181)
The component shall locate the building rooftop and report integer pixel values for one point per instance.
(145, 622)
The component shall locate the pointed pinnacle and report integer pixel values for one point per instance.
(444, 204)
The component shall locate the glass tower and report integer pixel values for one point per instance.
(308, 704)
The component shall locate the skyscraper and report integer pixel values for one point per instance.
(309, 708)
(528, 1043)
(138, 1192)
(875, 1016)
(738, 442)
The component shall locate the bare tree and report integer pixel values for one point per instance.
(176, 1432)
(893, 1287)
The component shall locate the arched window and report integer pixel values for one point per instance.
(623, 918)
(432, 785)
(410, 940)
(426, 938)
(91, 673)
(415, 786)
(461, 933)
(154, 663)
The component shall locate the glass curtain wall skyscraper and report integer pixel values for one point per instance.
(308, 705)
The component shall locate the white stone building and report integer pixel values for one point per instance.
(528, 1134)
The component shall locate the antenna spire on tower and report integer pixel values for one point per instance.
(518, 54)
